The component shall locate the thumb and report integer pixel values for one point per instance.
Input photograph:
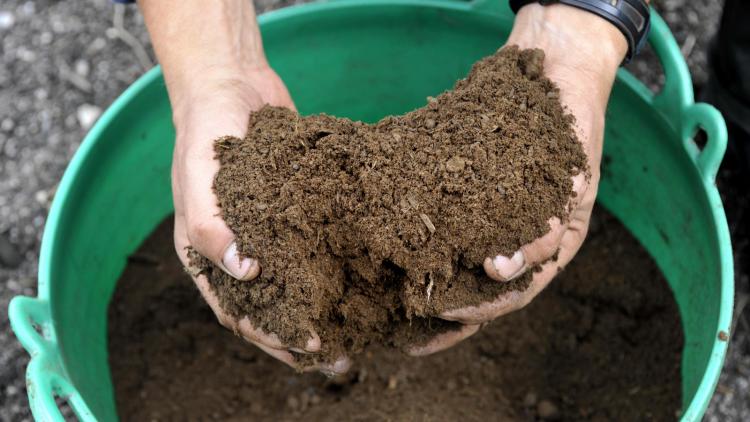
(212, 238)
(205, 229)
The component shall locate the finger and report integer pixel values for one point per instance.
(206, 231)
(281, 355)
(486, 311)
(195, 169)
(512, 301)
(244, 327)
(213, 302)
(505, 268)
(340, 367)
(444, 341)
(253, 334)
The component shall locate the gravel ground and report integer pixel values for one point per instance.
(65, 62)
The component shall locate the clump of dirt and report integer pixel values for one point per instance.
(602, 343)
(365, 231)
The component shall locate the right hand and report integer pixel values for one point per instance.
(215, 78)
(221, 106)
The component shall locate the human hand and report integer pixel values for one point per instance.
(215, 79)
(582, 54)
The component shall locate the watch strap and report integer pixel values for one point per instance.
(631, 17)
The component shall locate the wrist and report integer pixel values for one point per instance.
(571, 37)
(201, 49)
(212, 84)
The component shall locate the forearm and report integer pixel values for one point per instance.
(197, 42)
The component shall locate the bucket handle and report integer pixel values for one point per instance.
(676, 103)
(708, 118)
(45, 378)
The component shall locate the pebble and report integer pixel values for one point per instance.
(46, 38)
(256, 407)
(548, 410)
(7, 124)
(82, 67)
(362, 375)
(530, 399)
(87, 115)
(10, 257)
(292, 402)
(429, 124)
(304, 399)
(6, 19)
(41, 196)
(455, 164)
(392, 382)
(97, 45)
(25, 55)
(28, 8)
(314, 399)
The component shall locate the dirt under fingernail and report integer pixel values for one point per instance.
(366, 232)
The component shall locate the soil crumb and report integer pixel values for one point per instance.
(602, 343)
(365, 232)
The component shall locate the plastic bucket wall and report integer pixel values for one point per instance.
(364, 60)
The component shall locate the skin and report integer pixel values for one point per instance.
(217, 74)
(582, 55)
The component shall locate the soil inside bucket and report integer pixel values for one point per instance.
(364, 232)
(603, 342)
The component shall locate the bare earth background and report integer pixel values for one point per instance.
(63, 63)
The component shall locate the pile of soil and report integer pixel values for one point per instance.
(363, 232)
(602, 343)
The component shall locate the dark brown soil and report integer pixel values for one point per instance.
(602, 343)
(363, 231)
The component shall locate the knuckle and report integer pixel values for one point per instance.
(199, 233)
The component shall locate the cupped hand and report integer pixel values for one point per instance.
(216, 74)
(582, 54)
(220, 106)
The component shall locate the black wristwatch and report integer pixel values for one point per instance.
(631, 17)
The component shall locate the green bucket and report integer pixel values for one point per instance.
(363, 60)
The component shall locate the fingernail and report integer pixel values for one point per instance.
(313, 344)
(236, 266)
(509, 268)
(341, 366)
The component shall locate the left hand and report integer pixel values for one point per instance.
(582, 54)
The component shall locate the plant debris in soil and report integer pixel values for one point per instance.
(602, 342)
(364, 232)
